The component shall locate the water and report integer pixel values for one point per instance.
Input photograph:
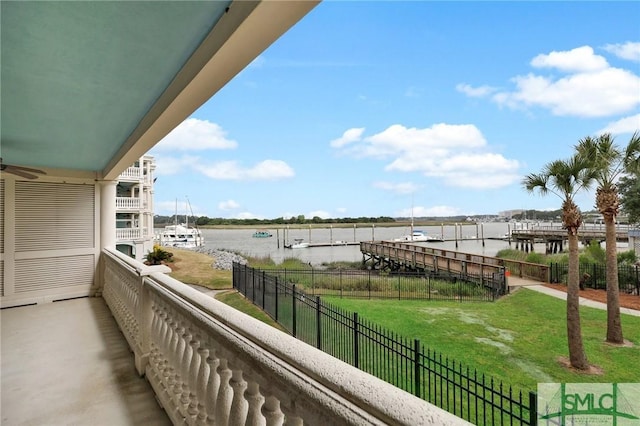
(241, 240)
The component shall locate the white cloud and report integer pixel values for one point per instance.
(231, 170)
(457, 154)
(349, 136)
(624, 125)
(629, 50)
(580, 59)
(195, 135)
(248, 215)
(591, 89)
(174, 165)
(228, 205)
(399, 188)
(341, 210)
(435, 211)
(475, 92)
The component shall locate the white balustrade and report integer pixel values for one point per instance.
(131, 173)
(210, 364)
(128, 234)
(127, 203)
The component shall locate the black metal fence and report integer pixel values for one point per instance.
(372, 284)
(593, 275)
(402, 362)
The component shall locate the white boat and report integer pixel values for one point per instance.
(181, 236)
(298, 243)
(414, 236)
(418, 236)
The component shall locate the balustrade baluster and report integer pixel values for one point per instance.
(194, 370)
(254, 401)
(175, 357)
(213, 386)
(202, 379)
(172, 344)
(185, 366)
(225, 394)
(290, 419)
(271, 412)
(239, 404)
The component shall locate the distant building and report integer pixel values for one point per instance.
(508, 214)
(134, 209)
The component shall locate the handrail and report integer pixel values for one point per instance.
(209, 363)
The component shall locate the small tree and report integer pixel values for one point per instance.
(565, 179)
(608, 162)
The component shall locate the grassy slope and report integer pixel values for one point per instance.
(517, 340)
(195, 268)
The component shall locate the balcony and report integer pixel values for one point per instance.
(127, 204)
(132, 173)
(203, 361)
(130, 234)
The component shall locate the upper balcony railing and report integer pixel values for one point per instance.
(129, 234)
(131, 173)
(210, 364)
(127, 203)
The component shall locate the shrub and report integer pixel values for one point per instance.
(158, 255)
(627, 257)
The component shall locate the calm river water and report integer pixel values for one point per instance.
(241, 240)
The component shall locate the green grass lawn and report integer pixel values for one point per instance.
(517, 339)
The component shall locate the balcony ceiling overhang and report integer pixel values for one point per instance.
(89, 87)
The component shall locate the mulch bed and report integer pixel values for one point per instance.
(626, 300)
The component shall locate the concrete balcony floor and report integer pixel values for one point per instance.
(66, 363)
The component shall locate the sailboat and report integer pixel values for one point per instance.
(416, 235)
(181, 235)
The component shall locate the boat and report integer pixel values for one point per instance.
(298, 243)
(416, 235)
(262, 234)
(180, 236)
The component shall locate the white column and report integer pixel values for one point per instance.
(108, 214)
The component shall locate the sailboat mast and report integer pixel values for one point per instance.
(411, 216)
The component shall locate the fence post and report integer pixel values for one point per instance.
(416, 368)
(637, 282)
(319, 329)
(533, 408)
(293, 312)
(264, 287)
(369, 282)
(399, 286)
(356, 346)
(276, 296)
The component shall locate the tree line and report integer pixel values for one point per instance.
(297, 220)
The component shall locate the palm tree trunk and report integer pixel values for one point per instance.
(614, 326)
(577, 356)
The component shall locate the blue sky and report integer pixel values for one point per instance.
(372, 108)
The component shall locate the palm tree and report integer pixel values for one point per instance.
(565, 178)
(608, 162)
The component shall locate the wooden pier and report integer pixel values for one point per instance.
(554, 238)
(394, 256)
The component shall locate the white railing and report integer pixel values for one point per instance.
(127, 203)
(131, 173)
(210, 364)
(128, 234)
